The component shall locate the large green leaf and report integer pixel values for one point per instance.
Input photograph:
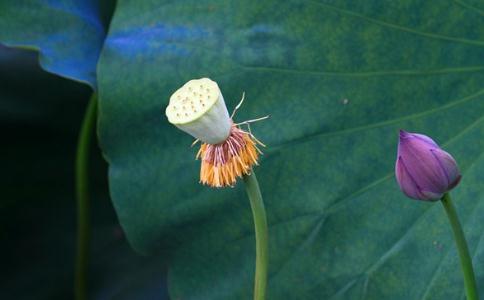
(68, 34)
(339, 78)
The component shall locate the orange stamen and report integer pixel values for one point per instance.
(223, 163)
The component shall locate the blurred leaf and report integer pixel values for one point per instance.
(68, 34)
(37, 207)
(31, 96)
(339, 78)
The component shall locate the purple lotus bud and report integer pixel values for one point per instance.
(423, 170)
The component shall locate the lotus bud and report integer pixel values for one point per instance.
(423, 170)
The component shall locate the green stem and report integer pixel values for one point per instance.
(82, 194)
(261, 234)
(460, 240)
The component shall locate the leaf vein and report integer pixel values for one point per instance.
(470, 7)
(398, 27)
(309, 137)
(410, 72)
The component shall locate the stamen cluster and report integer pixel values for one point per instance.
(223, 163)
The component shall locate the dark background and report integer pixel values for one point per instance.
(40, 116)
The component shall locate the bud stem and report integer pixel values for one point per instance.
(460, 240)
(261, 235)
(82, 195)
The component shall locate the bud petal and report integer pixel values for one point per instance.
(449, 166)
(406, 182)
(423, 170)
(198, 108)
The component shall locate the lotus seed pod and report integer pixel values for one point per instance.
(424, 171)
(198, 108)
